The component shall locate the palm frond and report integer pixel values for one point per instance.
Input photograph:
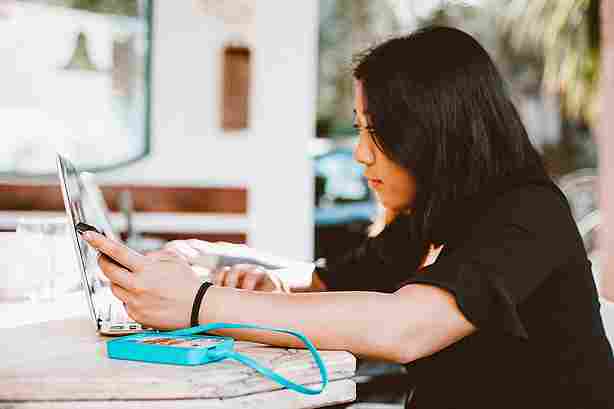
(562, 33)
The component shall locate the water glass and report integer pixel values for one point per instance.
(47, 260)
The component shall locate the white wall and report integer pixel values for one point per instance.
(284, 111)
(271, 158)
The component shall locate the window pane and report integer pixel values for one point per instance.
(75, 78)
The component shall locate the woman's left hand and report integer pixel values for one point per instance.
(158, 292)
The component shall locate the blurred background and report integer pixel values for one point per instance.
(202, 108)
(232, 120)
(547, 51)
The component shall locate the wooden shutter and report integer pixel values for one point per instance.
(236, 67)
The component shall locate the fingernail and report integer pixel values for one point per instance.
(87, 235)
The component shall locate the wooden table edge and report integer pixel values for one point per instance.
(336, 392)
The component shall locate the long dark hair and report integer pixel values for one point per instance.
(438, 106)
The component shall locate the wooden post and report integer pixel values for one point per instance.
(605, 139)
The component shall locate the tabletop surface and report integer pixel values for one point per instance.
(52, 357)
(63, 363)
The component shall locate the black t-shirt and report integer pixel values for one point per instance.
(519, 272)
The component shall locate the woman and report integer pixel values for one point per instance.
(508, 314)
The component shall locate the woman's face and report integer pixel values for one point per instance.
(393, 185)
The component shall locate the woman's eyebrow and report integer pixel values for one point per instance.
(359, 124)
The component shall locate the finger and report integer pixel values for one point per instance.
(132, 313)
(233, 277)
(116, 273)
(251, 280)
(120, 293)
(117, 251)
(219, 276)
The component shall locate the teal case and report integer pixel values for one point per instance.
(188, 346)
(172, 349)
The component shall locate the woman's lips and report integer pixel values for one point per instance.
(374, 182)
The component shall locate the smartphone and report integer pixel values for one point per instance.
(83, 227)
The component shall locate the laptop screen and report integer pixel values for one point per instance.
(97, 204)
(75, 202)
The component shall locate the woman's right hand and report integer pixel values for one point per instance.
(248, 277)
(243, 276)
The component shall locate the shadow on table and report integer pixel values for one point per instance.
(379, 385)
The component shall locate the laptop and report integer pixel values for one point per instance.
(85, 203)
(107, 312)
(100, 210)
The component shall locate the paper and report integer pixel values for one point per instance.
(215, 255)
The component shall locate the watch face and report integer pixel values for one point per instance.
(181, 342)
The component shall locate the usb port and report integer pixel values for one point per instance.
(134, 326)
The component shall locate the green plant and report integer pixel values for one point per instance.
(565, 35)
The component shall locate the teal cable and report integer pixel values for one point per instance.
(254, 364)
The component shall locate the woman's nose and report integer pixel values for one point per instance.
(363, 154)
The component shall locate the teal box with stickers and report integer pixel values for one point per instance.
(164, 348)
(193, 346)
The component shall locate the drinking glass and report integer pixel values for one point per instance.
(46, 256)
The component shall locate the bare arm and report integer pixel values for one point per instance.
(414, 322)
(411, 323)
